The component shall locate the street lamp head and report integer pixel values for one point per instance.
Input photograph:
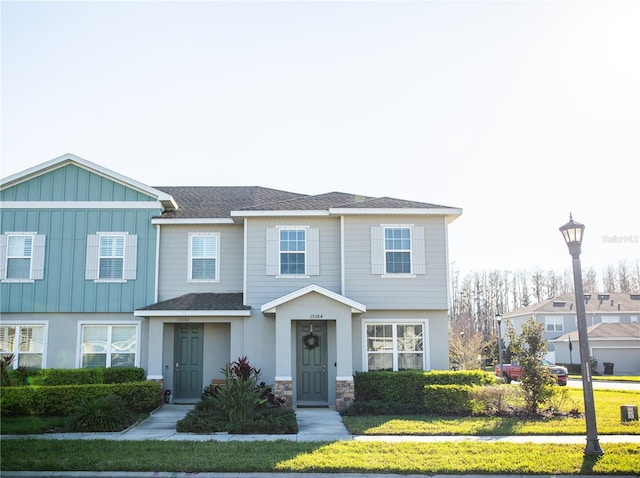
(573, 232)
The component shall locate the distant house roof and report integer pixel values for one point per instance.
(605, 331)
(595, 303)
(206, 303)
(224, 202)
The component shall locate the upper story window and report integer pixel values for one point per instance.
(22, 256)
(111, 257)
(610, 319)
(25, 343)
(397, 250)
(203, 257)
(293, 248)
(554, 323)
(109, 345)
(293, 251)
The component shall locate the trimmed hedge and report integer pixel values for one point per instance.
(407, 387)
(447, 399)
(85, 376)
(59, 399)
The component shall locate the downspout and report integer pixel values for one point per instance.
(244, 263)
(156, 292)
(342, 268)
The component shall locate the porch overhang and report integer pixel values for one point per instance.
(272, 306)
(198, 305)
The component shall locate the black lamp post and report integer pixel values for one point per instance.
(572, 233)
(499, 320)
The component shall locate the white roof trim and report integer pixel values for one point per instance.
(196, 220)
(192, 313)
(397, 211)
(303, 212)
(270, 307)
(166, 199)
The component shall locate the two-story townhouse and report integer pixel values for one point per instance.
(612, 321)
(99, 269)
(77, 257)
(310, 288)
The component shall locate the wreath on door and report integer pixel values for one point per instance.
(310, 341)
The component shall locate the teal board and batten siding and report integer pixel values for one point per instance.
(31, 206)
(72, 183)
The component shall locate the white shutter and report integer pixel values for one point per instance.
(418, 260)
(313, 252)
(3, 256)
(273, 252)
(37, 258)
(130, 256)
(91, 266)
(377, 250)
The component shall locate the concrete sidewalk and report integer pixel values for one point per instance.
(314, 424)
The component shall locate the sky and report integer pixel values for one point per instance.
(517, 112)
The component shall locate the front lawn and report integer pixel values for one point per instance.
(308, 457)
(608, 421)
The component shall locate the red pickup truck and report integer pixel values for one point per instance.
(513, 371)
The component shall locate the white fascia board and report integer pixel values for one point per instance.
(195, 220)
(396, 211)
(82, 205)
(192, 313)
(279, 213)
(270, 307)
(166, 199)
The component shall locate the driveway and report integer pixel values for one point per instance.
(607, 385)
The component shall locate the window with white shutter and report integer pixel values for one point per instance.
(398, 250)
(293, 251)
(111, 257)
(22, 256)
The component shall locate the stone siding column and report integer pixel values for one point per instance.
(283, 389)
(345, 393)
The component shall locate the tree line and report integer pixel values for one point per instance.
(477, 297)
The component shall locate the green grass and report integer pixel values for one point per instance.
(609, 378)
(30, 425)
(343, 456)
(608, 421)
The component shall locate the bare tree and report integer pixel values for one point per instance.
(590, 279)
(538, 285)
(624, 279)
(609, 279)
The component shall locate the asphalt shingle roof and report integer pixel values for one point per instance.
(605, 331)
(219, 201)
(202, 301)
(595, 303)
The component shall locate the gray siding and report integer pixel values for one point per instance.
(174, 260)
(424, 291)
(262, 288)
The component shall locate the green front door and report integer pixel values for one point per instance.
(311, 358)
(188, 361)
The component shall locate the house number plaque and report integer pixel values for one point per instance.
(315, 316)
(183, 319)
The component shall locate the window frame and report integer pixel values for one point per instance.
(303, 253)
(424, 322)
(387, 250)
(216, 257)
(109, 324)
(36, 258)
(112, 236)
(16, 352)
(554, 320)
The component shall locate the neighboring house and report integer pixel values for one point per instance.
(615, 343)
(604, 312)
(181, 280)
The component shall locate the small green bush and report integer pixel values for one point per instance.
(447, 399)
(377, 407)
(57, 400)
(103, 414)
(85, 376)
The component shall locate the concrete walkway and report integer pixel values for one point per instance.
(314, 424)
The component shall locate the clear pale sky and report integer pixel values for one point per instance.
(517, 112)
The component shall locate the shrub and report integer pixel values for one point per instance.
(494, 399)
(447, 399)
(377, 407)
(85, 376)
(103, 414)
(57, 400)
(203, 421)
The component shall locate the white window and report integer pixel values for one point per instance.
(25, 342)
(22, 256)
(293, 251)
(109, 345)
(203, 257)
(553, 323)
(111, 257)
(395, 345)
(397, 250)
(610, 319)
